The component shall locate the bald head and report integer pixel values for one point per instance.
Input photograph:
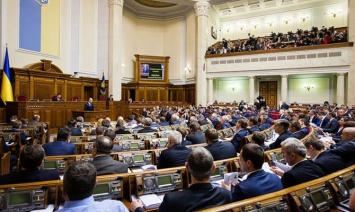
(348, 134)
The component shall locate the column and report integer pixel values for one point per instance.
(351, 36)
(201, 12)
(340, 88)
(115, 44)
(251, 89)
(284, 86)
(210, 91)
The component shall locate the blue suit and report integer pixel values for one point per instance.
(332, 126)
(264, 126)
(88, 107)
(76, 131)
(222, 150)
(258, 183)
(329, 162)
(59, 148)
(254, 128)
(174, 156)
(302, 172)
(281, 138)
(299, 135)
(25, 176)
(346, 150)
(226, 125)
(238, 138)
(197, 138)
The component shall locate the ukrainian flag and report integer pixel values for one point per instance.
(6, 87)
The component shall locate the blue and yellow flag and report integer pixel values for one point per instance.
(6, 87)
(103, 88)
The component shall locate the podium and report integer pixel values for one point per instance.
(91, 116)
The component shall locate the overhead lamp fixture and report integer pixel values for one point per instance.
(255, 25)
(286, 20)
(308, 87)
(232, 87)
(270, 23)
(333, 13)
(241, 27)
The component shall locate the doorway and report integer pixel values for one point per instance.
(268, 90)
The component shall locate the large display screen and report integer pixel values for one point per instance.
(151, 71)
(101, 189)
(19, 198)
(164, 180)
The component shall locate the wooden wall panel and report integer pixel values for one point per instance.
(43, 91)
(152, 94)
(3, 115)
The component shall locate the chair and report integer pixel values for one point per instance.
(75, 98)
(102, 98)
(21, 98)
(54, 97)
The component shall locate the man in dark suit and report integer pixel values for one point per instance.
(147, 122)
(73, 128)
(284, 105)
(31, 159)
(346, 148)
(303, 170)
(253, 124)
(201, 120)
(35, 120)
(196, 136)
(326, 160)
(57, 98)
(110, 98)
(241, 132)
(219, 150)
(176, 154)
(201, 194)
(112, 135)
(258, 182)
(264, 124)
(16, 126)
(120, 128)
(62, 145)
(103, 162)
(259, 139)
(183, 132)
(295, 128)
(163, 122)
(281, 128)
(313, 117)
(332, 126)
(89, 106)
(322, 119)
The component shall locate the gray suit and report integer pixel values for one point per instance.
(104, 164)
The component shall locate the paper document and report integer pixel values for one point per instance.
(150, 201)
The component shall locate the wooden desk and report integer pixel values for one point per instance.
(91, 116)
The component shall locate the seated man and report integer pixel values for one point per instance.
(112, 135)
(120, 128)
(196, 136)
(35, 120)
(264, 119)
(183, 132)
(294, 152)
(62, 145)
(147, 122)
(4, 149)
(219, 150)
(201, 194)
(281, 127)
(295, 128)
(75, 131)
(31, 159)
(346, 148)
(176, 154)
(78, 184)
(259, 139)
(326, 160)
(16, 126)
(253, 124)
(241, 132)
(103, 162)
(257, 182)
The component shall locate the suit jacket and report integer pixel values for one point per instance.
(185, 142)
(323, 123)
(329, 162)
(76, 131)
(174, 156)
(299, 135)
(59, 148)
(254, 128)
(197, 138)
(88, 107)
(302, 172)
(346, 150)
(104, 164)
(284, 106)
(238, 138)
(281, 138)
(203, 122)
(196, 197)
(122, 131)
(257, 183)
(147, 129)
(315, 120)
(25, 176)
(226, 125)
(34, 123)
(332, 126)
(264, 126)
(117, 148)
(222, 150)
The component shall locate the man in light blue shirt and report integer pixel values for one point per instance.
(78, 185)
